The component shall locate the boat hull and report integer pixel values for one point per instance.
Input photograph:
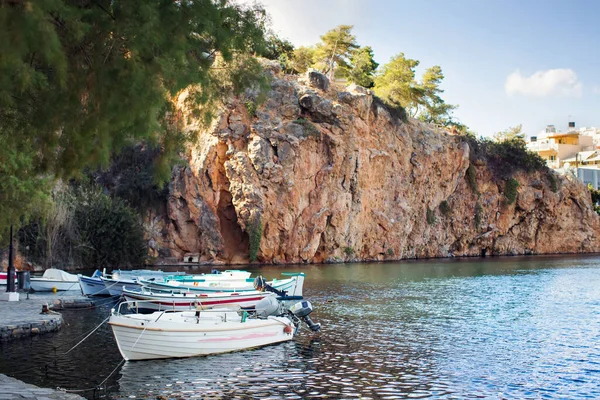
(182, 302)
(92, 286)
(293, 286)
(115, 287)
(49, 285)
(4, 278)
(150, 338)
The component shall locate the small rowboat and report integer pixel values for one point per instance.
(202, 332)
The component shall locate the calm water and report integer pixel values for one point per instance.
(498, 328)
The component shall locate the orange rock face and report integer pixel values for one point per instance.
(334, 176)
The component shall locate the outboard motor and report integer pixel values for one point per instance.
(261, 285)
(268, 306)
(301, 310)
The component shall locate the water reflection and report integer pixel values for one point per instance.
(511, 327)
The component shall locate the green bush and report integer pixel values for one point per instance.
(349, 251)
(251, 107)
(309, 128)
(430, 215)
(510, 190)
(478, 212)
(109, 232)
(505, 157)
(255, 236)
(553, 182)
(86, 228)
(472, 178)
(390, 252)
(445, 208)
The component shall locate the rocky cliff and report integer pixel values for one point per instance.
(320, 175)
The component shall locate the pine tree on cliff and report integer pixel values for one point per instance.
(397, 85)
(335, 50)
(362, 67)
(79, 80)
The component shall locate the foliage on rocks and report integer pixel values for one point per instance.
(309, 128)
(595, 194)
(255, 231)
(472, 178)
(553, 181)
(430, 215)
(506, 157)
(445, 208)
(510, 190)
(477, 216)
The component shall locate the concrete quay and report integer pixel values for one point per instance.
(24, 318)
(11, 388)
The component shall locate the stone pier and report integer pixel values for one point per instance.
(11, 388)
(24, 318)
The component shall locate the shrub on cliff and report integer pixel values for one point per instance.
(510, 190)
(472, 179)
(445, 208)
(505, 157)
(255, 236)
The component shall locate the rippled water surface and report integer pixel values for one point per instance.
(499, 328)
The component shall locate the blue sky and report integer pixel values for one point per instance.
(530, 62)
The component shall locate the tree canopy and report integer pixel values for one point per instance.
(362, 67)
(334, 51)
(79, 80)
(302, 59)
(514, 133)
(396, 84)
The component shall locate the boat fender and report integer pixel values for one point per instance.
(288, 329)
(195, 283)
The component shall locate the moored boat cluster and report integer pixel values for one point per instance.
(166, 314)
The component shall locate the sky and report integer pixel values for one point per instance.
(506, 62)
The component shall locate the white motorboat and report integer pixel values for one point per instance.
(202, 332)
(181, 300)
(55, 280)
(292, 284)
(93, 285)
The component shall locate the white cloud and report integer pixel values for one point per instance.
(553, 82)
(596, 89)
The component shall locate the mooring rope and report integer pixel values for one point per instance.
(82, 340)
(93, 389)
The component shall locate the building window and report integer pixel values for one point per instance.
(552, 158)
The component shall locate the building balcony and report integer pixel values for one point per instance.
(539, 147)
